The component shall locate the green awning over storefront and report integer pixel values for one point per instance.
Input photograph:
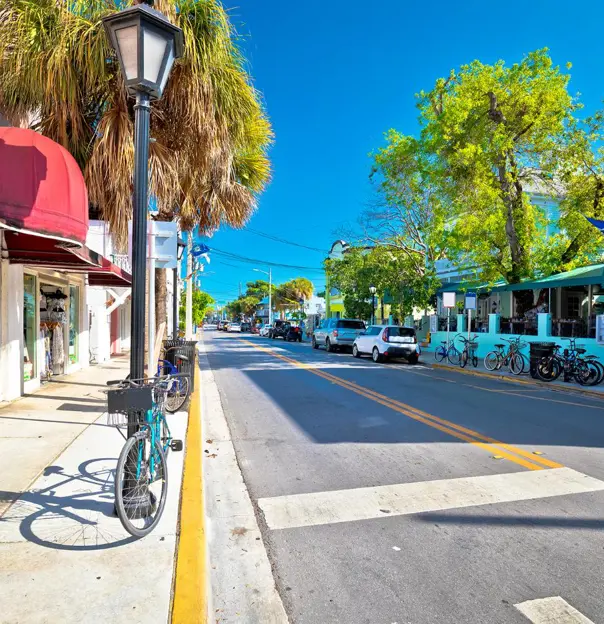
(583, 276)
(464, 287)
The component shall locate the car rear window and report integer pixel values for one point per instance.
(404, 332)
(350, 325)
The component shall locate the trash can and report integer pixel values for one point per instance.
(539, 350)
(174, 348)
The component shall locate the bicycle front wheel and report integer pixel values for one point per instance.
(516, 364)
(177, 395)
(453, 356)
(141, 484)
(491, 361)
(463, 358)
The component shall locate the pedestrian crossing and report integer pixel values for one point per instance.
(302, 510)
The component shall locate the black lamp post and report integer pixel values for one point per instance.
(372, 290)
(181, 248)
(146, 44)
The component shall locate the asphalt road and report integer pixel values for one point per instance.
(400, 494)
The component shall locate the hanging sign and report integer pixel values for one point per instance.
(448, 300)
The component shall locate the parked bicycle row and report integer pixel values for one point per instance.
(547, 361)
(139, 406)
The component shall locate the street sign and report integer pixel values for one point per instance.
(165, 234)
(448, 300)
(470, 301)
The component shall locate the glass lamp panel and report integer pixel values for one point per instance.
(154, 49)
(127, 41)
(168, 69)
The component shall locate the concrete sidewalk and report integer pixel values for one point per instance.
(64, 556)
(36, 428)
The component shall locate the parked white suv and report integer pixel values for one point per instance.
(333, 334)
(385, 342)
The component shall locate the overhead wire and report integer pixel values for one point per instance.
(278, 239)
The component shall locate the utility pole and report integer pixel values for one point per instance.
(189, 310)
(270, 296)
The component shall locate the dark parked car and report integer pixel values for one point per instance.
(294, 334)
(279, 329)
(246, 327)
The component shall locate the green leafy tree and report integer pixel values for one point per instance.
(258, 289)
(495, 130)
(202, 304)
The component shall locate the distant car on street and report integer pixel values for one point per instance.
(234, 327)
(246, 327)
(209, 326)
(334, 334)
(279, 329)
(265, 330)
(387, 342)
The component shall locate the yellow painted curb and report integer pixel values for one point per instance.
(525, 382)
(189, 604)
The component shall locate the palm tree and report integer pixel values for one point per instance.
(208, 158)
(289, 294)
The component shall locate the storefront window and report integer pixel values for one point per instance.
(29, 327)
(74, 326)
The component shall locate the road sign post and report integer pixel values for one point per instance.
(448, 302)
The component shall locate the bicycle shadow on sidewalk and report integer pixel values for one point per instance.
(69, 512)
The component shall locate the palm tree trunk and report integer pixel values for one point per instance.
(161, 298)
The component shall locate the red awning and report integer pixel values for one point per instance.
(47, 253)
(42, 190)
(108, 274)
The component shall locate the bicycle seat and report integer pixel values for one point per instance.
(580, 351)
(500, 346)
(443, 342)
(184, 358)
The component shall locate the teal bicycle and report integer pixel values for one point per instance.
(141, 476)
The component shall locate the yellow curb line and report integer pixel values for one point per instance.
(190, 601)
(535, 384)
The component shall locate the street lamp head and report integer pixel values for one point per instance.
(372, 290)
(181, 245)
(147, 45)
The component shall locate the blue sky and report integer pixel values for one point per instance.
(335, 75)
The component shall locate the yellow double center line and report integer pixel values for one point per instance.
(507, 451)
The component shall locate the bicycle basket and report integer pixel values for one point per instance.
(473, 344)
(126, 404)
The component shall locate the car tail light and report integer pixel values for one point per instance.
(335, 333)
(414, 339)
(386, 335)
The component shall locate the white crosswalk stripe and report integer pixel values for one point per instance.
(298, 510)
(553, 610)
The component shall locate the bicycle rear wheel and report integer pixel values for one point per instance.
(440, 354)
(491, 361)
(141, 484)
(177, 395)
(453, 355)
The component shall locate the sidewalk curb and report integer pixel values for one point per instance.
(189, 602)
(240, 582)
(524, 382)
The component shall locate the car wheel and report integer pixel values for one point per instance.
(376, 356)
(413, 359)
(355, 352)
(328, 346)
(314, 343)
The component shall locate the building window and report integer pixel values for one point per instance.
(74, 325)
(30, 304)
(573, 306)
